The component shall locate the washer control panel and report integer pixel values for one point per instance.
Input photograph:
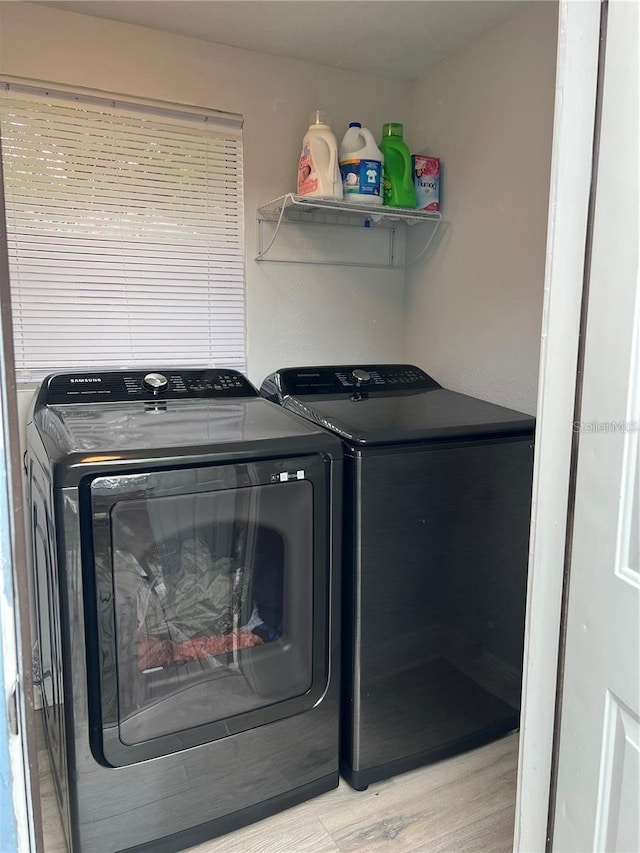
(144, 385)
(298, 381)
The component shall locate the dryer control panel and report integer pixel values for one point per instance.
(345, 379)
(144, 385)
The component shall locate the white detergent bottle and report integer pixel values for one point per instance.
(361, 165)
(318, 169)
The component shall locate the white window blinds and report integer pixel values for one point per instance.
(125, 227)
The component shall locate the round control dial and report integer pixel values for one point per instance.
(361, 376)
(155, 382)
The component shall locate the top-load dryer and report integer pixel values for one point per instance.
(436, 526)
(185, 535)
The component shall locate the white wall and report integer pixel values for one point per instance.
(474, 311)
(295, 314)
(470, 315)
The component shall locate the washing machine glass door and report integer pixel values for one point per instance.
(211, 604)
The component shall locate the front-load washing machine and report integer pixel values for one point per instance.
(436, 526)
(185, 535)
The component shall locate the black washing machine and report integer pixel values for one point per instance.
(436, 528)
(186, 552)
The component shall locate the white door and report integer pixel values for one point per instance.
(598, 770)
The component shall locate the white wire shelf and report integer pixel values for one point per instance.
(302, 210)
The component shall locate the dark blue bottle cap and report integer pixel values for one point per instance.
(355, 124)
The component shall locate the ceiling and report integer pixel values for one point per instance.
(396, 39)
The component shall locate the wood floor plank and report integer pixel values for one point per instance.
(414, 815)
(490, 834)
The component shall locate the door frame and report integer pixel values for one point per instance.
(574, 142)
(576, 76)
(20, 814)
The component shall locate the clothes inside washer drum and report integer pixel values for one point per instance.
(160, 653)
(188, 606)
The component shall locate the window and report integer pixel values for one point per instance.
(125, 232)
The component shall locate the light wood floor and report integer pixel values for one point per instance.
(462, 805)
